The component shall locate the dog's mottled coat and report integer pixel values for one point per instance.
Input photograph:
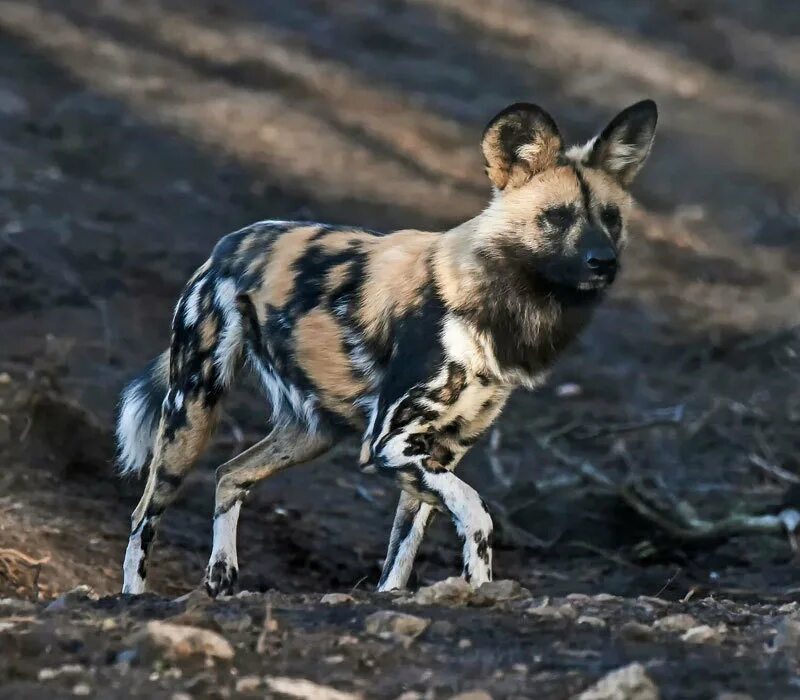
(414, 339)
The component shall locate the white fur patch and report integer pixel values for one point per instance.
(132, 582)
(224, 546)
(470, 518)
(191, 311)
(581, 153)
(286, 400)
(397, 578)
(135, 428)
(226, 354)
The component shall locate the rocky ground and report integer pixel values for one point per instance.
(644, 499)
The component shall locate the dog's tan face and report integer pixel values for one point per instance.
(562, 213)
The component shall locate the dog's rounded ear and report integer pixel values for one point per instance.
(623, 146)
(519, 142)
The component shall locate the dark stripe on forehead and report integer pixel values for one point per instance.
(586, 193)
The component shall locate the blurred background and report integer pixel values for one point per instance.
(134, 135)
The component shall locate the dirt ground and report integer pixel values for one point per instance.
(134, 135)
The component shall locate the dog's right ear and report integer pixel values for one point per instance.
(623, 146)
(518, 143)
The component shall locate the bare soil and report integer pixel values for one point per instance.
(134, 135)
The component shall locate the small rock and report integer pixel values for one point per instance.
(636, 631)
(5, 378)
(788, 635)
(79, 594)
(554, 612)
(400, 626)
(12, 104)
(626, 683)
(464, 643)
(82, 689)
(48, 674)
(306, 690)
(680, 622)
(176, 642)
(181, 696)
(578, 598)
(568, 390)
(652, 600)
(15, 605)
(409, 695)
(443, 627)
(703, 634)
(590, 621)
(497, 591)
(788, 607)
(336, 599)
(248, 684)
(472, 695)
(451, 591)
(606, 598)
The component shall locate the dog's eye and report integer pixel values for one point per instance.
(561, 217)
(611, 219)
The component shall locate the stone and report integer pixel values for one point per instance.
(472, 695)
(248, 684)
(498, 591)
(176, 642)
(80, 594)
(336, 599)
(395, 625)
(606, 598)
(680, 622)
(636, 631)
(451, 591)
(703, 634)
(12, 104)
(591, 621)
(627, 683)
(306, 690)
(554, 612)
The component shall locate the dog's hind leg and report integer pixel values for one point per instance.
(282, 448)
(410, 521)
(182, 435)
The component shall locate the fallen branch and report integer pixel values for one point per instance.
(677, 517)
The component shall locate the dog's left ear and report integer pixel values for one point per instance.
(623, 146)
(520, 142)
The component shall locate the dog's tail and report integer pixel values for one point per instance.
(139, 414)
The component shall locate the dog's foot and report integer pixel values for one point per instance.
(221, 577)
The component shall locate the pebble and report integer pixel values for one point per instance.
(591, 621)
(498, 591)
(554, 612)
(12, 104)
(175, 642)
(703, 634)
(336, 599)
(395, 625)
(472, 695)
(680, 622)
(79, 594)
(627, 683)
(248, 684)
(451, 591)
(636, 631)
(307, 690)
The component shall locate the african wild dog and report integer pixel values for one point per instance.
(415, 339)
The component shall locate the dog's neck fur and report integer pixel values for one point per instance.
(504, 297)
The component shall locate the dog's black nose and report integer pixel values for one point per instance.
(601, 261)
